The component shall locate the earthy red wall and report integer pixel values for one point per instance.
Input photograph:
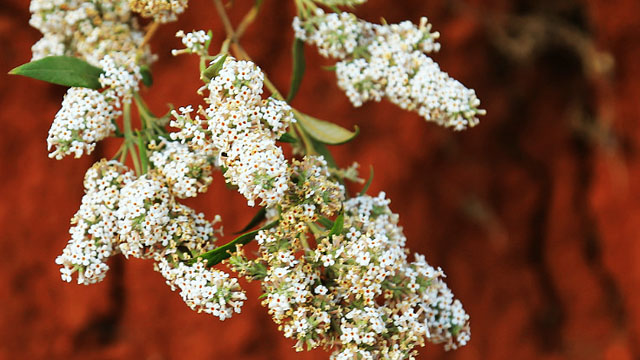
(534, 215)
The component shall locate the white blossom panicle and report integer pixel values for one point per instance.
(187, 172)
(257, 166)
(390, 61)
(89, 30)
(162, 11)
(355, 291)
(85, 118)
(94, 233)
(241, 129)
(121, 81)
(143, 214)
(194, 42)
(206, 290)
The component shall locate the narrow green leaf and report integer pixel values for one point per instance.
(214, 69)
(338, 225)
(326, 132)
(144, 160)
(325, 222)
(257, 218)
(218, 254)
(147, 79)
(287, 138)
(369, 181)
(299, 66)
(62, 70)
(321, 149)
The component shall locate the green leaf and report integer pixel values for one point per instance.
(144, 160)
(321, 149)
(338, 225)
(257, 218)
(218, 254)
(214, 69)
(62, 70)
(325, 222)
(369, 181)
(326, 132)
(299, 66)
(147, 79)
(287, 138)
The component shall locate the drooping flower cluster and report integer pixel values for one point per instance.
(140, 218)
(241, 129)
(390, 61)
(88, 116)
(160, 10)
(89, 30)
(355, 291)
(208, 290)
(85, 118)
(94, 232)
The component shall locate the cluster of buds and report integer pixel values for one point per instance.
(390, 61)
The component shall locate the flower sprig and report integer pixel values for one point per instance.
(334, 267)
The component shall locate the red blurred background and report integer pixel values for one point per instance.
(534, 214)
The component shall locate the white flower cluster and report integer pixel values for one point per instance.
(89, 30)
(85, 118)
(94, 234)
(187, 172)
(140, 218)
(194, 42)
(142, 215)
(205, 290)
(242, 129)
(389, 61)
(162, 11)
(88, 116)
(121, 81)
(355, 291)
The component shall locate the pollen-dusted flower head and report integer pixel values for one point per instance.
(94, 231)
(355, 291)
(187, 172)
(160, 10)
(85, 118)
(311, 193)
(390, 61)
(89, 30)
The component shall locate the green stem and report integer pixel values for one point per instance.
(129, 136)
